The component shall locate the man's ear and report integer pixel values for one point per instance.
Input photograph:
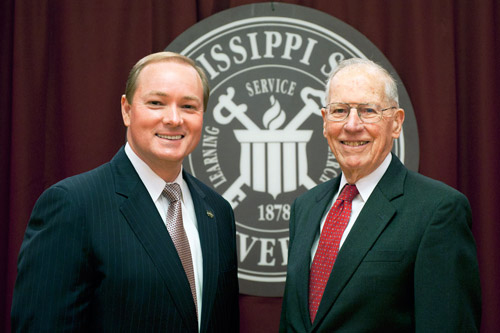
(323, 114)
(126, 108)
(398, 119)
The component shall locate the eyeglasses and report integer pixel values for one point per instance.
(368, 113)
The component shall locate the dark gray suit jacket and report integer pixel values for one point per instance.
(408, 264)
(97, 257)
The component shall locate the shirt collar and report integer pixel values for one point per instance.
(367, 184)
(154, 184)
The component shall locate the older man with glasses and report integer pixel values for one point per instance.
(379, 248)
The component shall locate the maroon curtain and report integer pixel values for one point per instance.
(63, 66)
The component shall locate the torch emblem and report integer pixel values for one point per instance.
(272, 160)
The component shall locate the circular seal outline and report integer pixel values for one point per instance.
(322, 25)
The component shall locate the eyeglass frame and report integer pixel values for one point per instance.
(380, 116)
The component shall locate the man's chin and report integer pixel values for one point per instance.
(353, 164)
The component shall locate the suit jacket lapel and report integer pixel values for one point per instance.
(374, 217)
(314, 216)
(142, 216)
(207, 230)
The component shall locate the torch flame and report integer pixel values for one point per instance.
(274, 117)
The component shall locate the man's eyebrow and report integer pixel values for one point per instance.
(162, 94)
(156, 93)
(191, 98)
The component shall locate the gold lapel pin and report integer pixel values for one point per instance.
(210, 214)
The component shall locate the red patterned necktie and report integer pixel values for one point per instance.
(176, 230)
(328, 248)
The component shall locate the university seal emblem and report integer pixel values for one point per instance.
(262, 143)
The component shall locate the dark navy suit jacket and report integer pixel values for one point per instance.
(408, 264)
(97, 256)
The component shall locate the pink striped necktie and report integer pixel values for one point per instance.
(328, 248)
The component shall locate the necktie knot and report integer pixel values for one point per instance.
(348, 193)
(172, 191)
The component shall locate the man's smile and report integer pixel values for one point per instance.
(354, 143)
(170, 137)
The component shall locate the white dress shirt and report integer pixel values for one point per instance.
(155, 185)
(365, 187)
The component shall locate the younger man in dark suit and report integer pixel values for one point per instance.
(395, 253)
(138, 244)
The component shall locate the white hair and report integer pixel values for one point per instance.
(391, 88)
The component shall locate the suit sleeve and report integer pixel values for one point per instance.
(447, 288)
(51, 292)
